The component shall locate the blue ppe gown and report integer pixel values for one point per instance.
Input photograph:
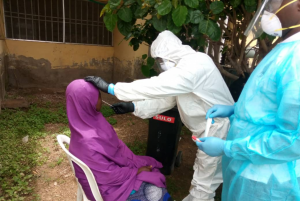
(265, 131)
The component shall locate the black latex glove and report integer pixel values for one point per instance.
(123, 107)
(97, 82)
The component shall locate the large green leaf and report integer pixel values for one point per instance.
(201, 41)
(164, 8)
(192, 3)
(140, 12)
(153, 72)
(216, 7)
(133, 8)
(114, 3)
(125, 14)
(128, 2)
(193, 44)
(172, 27)
(175, 3)
(211, 29)
(250, 5)
(202, 5)
(124, 27)
(179, 15)
(110, 21)
(140, 2)
(136, 47)
(146, 70)
(159, 24)
(144, 56)
(196, 16)
(188, 17)
(150, 61)
(195, 31)
(104, 10)
(150, 2)
(235, 3)
(135, 43)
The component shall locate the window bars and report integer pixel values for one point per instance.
(67, 21)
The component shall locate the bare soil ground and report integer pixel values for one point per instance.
(55, 180)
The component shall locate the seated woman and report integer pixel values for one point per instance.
(120, 175)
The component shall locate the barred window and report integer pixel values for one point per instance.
(67, 21)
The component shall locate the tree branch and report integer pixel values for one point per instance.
(263, 45)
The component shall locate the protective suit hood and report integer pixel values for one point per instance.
(168, 46)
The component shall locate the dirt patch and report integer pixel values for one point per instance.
(55, 179)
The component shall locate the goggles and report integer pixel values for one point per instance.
(164, 64)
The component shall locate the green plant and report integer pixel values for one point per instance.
(65, 131)
(17, 159)
(216, 27)
(57, 163)
(112, 121)
(185, 131)
(171, 186)
(147, 66)
(137, 147)
(107, 111)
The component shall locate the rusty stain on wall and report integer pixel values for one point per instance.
(29, 72)
(126, 71)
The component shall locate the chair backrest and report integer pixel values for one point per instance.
(88, 173)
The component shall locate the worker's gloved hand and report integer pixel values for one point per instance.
(101, 84)
(220, 111)
(212, 146)
(123, 107)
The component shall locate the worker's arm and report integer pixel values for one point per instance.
(280, 144)
(149, 108)
(173, 82)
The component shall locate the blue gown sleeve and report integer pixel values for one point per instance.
(281, 144)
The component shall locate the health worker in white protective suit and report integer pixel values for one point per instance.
(189, 80)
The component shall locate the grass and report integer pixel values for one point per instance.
(172, 186)
(112, 121)
(107, 111)
(185, 131)
(17, 159)
(137, 147)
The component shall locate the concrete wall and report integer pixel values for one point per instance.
(55, 65)
(43, 64)
(127, 63)
(2, 54)
(2, 71)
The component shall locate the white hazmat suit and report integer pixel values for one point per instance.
(194, 85)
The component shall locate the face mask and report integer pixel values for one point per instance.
(271, 24)
(166, 65)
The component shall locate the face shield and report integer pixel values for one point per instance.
(164, 64)
(268, 6)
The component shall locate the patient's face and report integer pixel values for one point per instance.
(99, 103)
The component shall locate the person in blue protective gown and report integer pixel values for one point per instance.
(261, 155)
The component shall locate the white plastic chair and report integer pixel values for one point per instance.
(88, 173)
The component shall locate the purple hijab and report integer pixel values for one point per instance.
(95, 142)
